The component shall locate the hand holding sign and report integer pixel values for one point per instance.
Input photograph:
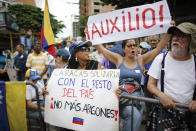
(128, 23)
(79, 99)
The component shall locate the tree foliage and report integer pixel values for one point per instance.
(82, 24)
(30, 17)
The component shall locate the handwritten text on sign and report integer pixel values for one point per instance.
(81, 99)
(128, 23)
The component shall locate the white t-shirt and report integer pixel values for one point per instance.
(51, 59)
(30, 91)
(97, 56)
(179, 79)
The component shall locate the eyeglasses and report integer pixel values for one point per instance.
(180, 34)
(131, 45)
(84, 49)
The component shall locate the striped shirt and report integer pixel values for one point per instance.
(38, 62)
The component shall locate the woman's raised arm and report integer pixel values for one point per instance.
(111, 56)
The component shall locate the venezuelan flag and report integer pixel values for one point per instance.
(47, 36)
(13, 106)
(77, 120)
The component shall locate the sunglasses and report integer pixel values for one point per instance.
(84, 49)
(131, 45)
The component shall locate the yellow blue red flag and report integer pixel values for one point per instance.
(47, 36)
(16, 105)
(13, 106)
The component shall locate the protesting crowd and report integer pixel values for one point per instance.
(141, 73)
(161, 67)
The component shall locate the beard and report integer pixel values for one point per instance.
(181, 50)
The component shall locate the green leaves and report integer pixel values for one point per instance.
(82, 24)
(30, 17)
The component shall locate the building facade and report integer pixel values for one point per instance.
(76, 32)
(9, 37)
(27, 2)
(93, 7)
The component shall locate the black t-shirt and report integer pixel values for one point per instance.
(92, 65)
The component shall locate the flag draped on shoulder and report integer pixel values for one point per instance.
(47, 36)
(16, 105)
(13, 106)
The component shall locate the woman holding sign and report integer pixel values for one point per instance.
(80, 57)
(131, 70)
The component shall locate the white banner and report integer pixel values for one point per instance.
(83, 100)
(134, 22)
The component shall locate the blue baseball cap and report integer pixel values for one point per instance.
(63, 52)
(144, 45)
(117, 48)
(76, 45)
(32, 74)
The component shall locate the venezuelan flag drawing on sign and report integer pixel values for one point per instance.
(47, 36)
(13, 106)
(77, 120)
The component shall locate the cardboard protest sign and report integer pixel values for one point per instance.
(138, 21)
(83, 100)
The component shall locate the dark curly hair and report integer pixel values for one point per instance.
(73, 64)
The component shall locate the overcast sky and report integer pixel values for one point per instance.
(64, 10)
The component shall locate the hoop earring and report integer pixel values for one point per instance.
(76, 59)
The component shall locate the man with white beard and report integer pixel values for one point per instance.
(172, 79)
